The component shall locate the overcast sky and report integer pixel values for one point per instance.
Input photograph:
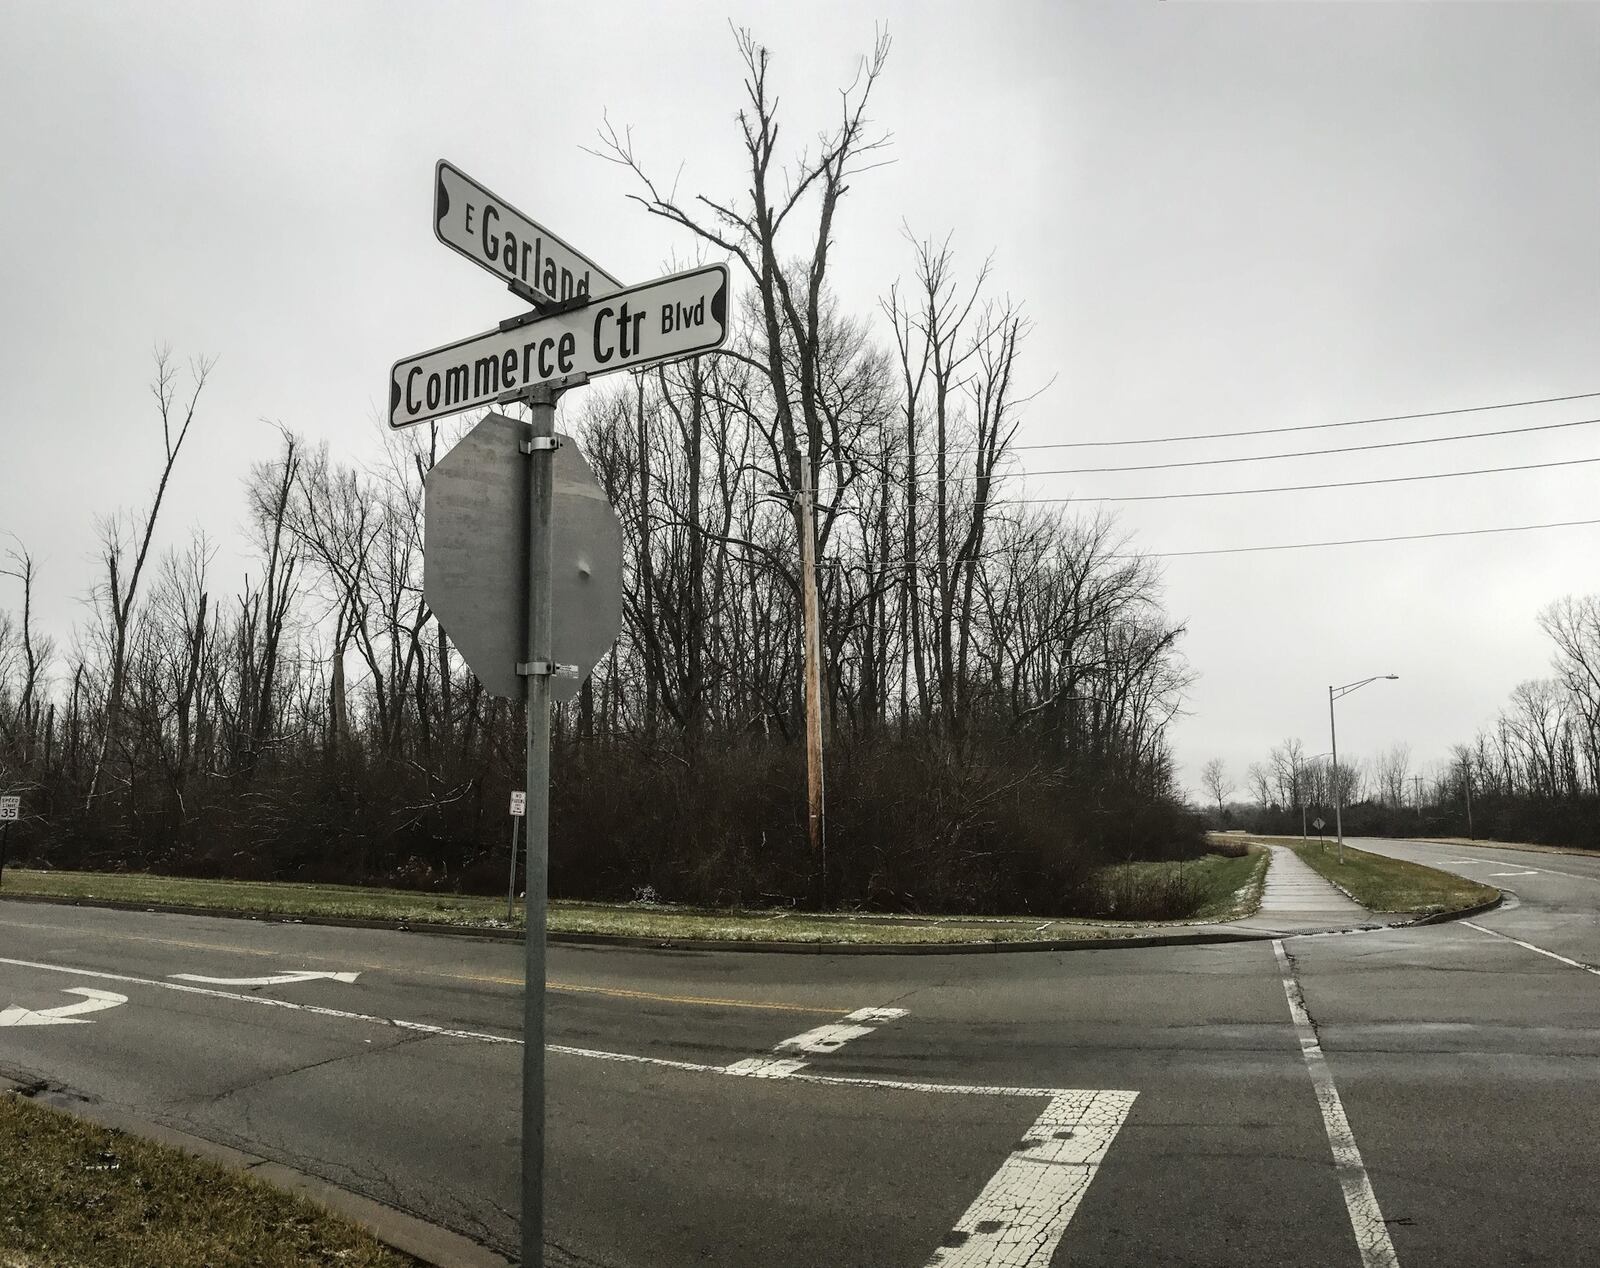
(1219, 216)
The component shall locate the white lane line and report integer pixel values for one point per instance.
(737, 1068)
(1528, 946)
(824, 1039)
(765, 1067)
(1023, 1212)
(1529, 872)
(276, 979)
(1366, 1219)
(819, 1041)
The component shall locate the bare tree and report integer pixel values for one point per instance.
(118, 592)
(1214, 779)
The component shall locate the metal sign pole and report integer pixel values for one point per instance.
(5, 840)
(540, 447)
(511, 886)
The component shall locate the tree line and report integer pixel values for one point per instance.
(985, 726)
(1533, 774)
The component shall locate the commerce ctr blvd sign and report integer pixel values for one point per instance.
(674, 316)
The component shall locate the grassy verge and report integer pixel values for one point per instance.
(81, 1196)
(1216, 887)
(1220, 887)
(1379, 883)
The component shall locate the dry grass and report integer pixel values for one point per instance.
(1143, 895)
(75, 1195)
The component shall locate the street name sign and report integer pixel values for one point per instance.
(673, 316)
(519, 804)
(470, 219)
(475, 558)
(10, 809)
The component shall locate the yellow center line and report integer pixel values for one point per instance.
(708, 1001)
(618, 992)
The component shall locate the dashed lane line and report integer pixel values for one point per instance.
(1528, 946)
(1366, 1218)
(817, 1042)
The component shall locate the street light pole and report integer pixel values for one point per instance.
(1336, 693)
(1338, 793)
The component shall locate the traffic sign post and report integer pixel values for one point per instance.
(517, 807)
(10, 808)
(510, 502)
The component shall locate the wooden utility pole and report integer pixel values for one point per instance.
(811, 617)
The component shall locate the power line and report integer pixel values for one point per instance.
(1298, 488)
(1316, 453)
(1278, 431)
(1362, 541)
(1022, 555)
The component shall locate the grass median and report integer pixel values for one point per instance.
(1380, 883)
(76, 1195)
(1220, 887)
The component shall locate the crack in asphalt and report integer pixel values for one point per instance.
(261, 1080)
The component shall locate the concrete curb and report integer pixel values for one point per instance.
(657, 944)
(1208, 937)
(1465, 913)
(435, 1246)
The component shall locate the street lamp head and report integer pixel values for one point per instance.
(1392, 677)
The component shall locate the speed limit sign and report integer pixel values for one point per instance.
(10, 807)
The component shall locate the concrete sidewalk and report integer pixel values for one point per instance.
(1295, 898)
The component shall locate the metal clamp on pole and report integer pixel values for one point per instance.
(533, 444)
(546, 669)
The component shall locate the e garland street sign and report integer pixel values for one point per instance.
(519, 251)
(671, 317)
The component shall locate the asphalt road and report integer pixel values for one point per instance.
(1411, 1096)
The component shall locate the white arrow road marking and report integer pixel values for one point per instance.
(278, 979)
(66, 1014)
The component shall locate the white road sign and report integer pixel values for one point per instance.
(10, 808)
(1318, 824)
(494, 235)
(671, 317)
(519, 804)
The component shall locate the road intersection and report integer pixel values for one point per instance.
(1105, 1107)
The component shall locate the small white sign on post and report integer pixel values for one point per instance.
(1318, 824)
(10, 809)
(519, 802)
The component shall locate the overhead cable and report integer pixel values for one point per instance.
(1315, 453)
(1279, 431)
(1297, 488)
(1360, 541)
